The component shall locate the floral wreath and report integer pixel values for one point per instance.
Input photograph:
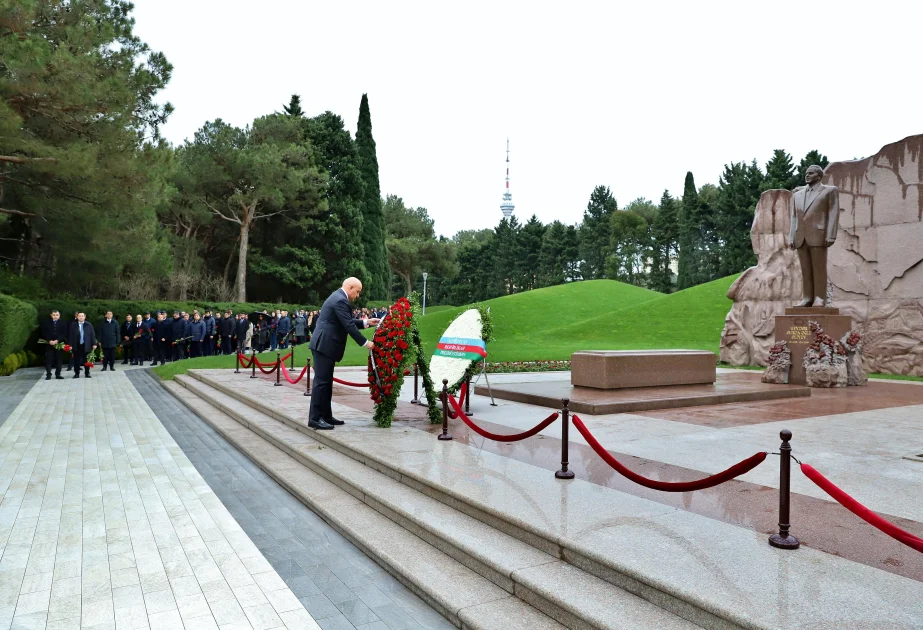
(397, 349)
(462, 346)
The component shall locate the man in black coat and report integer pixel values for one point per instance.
(243, 325)
(127, 333)
(328, 345)
(54, 331)
(177, 333)
(82, 340)
(161, 334)
(109, 339)
(226, 330)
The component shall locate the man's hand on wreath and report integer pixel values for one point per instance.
(370, 345)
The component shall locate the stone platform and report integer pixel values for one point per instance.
(619, 369)
(793, 328)
(726, 389)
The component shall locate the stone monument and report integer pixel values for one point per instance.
(874, 275)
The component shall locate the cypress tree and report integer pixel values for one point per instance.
(373, 234)
(294, 107)
(594, 233)
(688, 241)
(665, 232)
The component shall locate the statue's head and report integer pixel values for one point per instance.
(813, 174)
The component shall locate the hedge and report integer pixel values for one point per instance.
(18, 320)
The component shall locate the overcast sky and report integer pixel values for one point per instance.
(629, 95)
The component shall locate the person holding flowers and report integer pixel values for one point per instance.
(82, 338)
(54, 333)
(328, 345)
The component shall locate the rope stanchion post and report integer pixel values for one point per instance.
(444, 396)
(564, 473)
(784, 540)
(278, 382)
(468, 393)
(237, 369)
(416, 386)
(307, 377)
(291, 356)
(253, 362)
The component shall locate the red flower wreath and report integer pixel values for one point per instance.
(392, 340)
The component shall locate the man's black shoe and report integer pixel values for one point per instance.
(58, 376)
(88, 376)
(112, 369)
(76, 376)
(48, 377)
(104, 369)
(319, 425)
(334, 421)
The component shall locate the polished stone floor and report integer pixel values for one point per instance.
(105, 523)
(337, 583)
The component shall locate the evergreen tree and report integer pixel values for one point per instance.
(530, 247)
(507, 255)
(630, 244)
(709, 255)
(594, 233)
(665, 236)
(813, 157)
(373, 232)
(294, 107)
(780, 172)
(79, 145)
(739, 191)
(689, 235)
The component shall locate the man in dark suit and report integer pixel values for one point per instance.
(226, 329)
(82, 341)
(54, 331)
(243, 325)
(109, 339)
(328, 345)
(177, 333)
(161, 336)
(127, 332)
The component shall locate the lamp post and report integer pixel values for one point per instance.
(425, 275)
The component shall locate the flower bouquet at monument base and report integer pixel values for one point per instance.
(824, 360)
(779, 364)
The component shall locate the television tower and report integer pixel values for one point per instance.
(507, 206)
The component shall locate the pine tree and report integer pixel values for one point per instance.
(594, 233)
(294, 107)
(530, 246)
(665, 234)
(373, 234)
(689, 235)
(780, 172)
(739, 191)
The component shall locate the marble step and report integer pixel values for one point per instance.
(465, 598)
(712, 573)
(565, 593)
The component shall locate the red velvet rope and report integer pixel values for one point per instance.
(244, 360)
(289, 378)
(861, 511)
(342, 382)
(274, 367)
(496, 436)
(683, 486)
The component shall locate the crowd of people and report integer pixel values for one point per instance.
(158, 338)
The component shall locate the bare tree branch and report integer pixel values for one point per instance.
(257, 216)
(18, 159)
(18, 213)
(232, 219)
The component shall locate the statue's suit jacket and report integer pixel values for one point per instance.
(814, 216)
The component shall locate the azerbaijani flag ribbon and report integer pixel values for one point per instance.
(461, 348)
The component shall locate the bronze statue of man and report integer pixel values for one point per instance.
(814, 220)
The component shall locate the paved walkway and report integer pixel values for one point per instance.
(338, 584)
(105, 523)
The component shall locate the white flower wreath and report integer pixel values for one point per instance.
(451, 360)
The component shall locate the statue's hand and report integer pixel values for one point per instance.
(829, 242)
(791, 245)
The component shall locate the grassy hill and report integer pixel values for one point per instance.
(554, 322)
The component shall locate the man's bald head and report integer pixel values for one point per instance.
(352, 287)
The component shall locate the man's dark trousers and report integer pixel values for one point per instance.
(109, 358)
(227, 344)
(80, 359)
(322, 390)
(178, 350)
(52, 359)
